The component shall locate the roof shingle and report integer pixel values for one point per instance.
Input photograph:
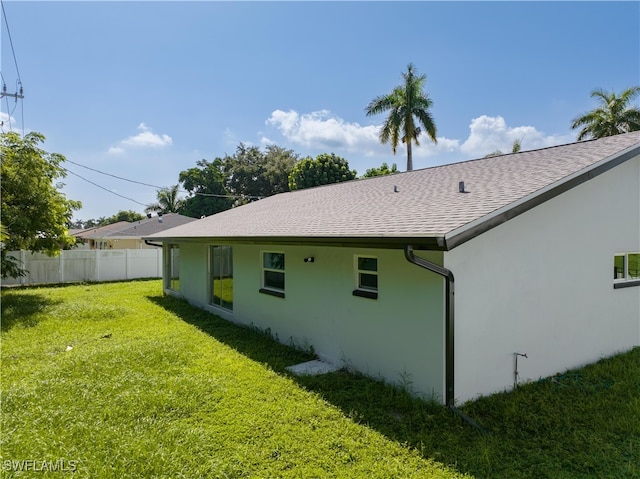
(137, 229)
(420, 204)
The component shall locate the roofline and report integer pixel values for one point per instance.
(106, 238)
(481, 225)
(450, 239)
(382, 242)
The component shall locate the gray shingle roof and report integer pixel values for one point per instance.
(138, 229)
(422, 205)
(102, 231)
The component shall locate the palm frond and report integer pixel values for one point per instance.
(428, 124)
(404, 103)
(381, 104)
(612, 117)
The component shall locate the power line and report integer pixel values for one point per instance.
(102, 187)
(19, 94)
(4, 94)
(116, 176)
(6, 22)
(161, 187)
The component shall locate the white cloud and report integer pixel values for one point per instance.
(428, 148)
(146, 138)
(488, 134)
(321, 129)
(115, 150)
(8, 123)
(6, 119)
(230, 138)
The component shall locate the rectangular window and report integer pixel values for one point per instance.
(618, 266)
(221, 265)
(366, 269)
(174, 267)
(626, 270)
(273, 274)
(633, 266)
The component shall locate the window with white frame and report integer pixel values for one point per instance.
(626, 270)
(173, 267)
(366, 277)
(221, 278)
(273, 272)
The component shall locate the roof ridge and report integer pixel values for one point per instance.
(462, 162)
(523, 151)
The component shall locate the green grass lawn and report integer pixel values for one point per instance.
(129, 383)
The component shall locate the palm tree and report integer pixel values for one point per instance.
(612, 117)
(168, 201)
(405, 104)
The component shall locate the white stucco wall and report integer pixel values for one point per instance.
(398, 336)
(542, 284)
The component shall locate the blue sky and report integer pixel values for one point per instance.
(144, 90)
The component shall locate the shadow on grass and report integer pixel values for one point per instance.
(391, 410)
(254, 344)
(22, 310)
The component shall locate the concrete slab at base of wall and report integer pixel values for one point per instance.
(312, 368)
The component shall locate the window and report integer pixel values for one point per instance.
(618, 266)
(221, 286)
(273, 274)
(366, 268)
(626, 270)
(174, 267)
(633, 266)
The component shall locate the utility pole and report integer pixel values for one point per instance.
(16, 95)
(3, 93)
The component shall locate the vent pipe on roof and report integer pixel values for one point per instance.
(461, 187)
(395, 189)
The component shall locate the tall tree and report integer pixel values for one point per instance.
(206, 184)
(279, 162)
(122, 215)
(10, 266)
(380, 171)
(168, 201)
(253, 174)
(614, 115)
(35, 213)
(408, 106)
(323, 170)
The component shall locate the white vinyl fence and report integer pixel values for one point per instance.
(88, 265)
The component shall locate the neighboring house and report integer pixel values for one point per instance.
(542, 248)
(91, 237)
(129, 235)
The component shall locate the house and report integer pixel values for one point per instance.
(129, 235)
(89, 238)
(442, 278)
